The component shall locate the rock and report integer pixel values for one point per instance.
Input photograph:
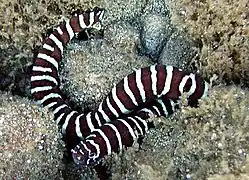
(157, 7)
(155, 31)
(178, 51)
(92, 68)
(156, 28)
(30, 145)
(123, 36)
(121, 10)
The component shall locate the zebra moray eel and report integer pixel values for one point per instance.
(121, 133)
(145, 85)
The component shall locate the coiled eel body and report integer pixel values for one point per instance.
(120, 119)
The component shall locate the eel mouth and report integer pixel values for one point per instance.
(83, 157)
(79, 157)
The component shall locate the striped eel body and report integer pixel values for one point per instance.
(156, 84)
(121, 133)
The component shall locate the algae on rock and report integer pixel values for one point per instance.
(222, 30)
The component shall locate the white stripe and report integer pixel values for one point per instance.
(108, 145)
(77, 126)
(205, 91)
(120, 145)
(157, 110)
(38, 89)
(111, 108)
(48, 47)
(44, 77)
(172, 103)
(85, 147)
(59, 118)
(81, 152)
(59, 30)
(69, 29)
(80, 149)
(91, 19)
(41, 69)
(144, 122)
(140, 84)
(81, 21)
(137, 125)
(96, 147)
(91, 136)
(89, 122)
(182, 83)
(59, 108)
(193, 86)
(128, 91)
(153, 79)
(73, 151)
(118, 102)
(164, 107)
(101, 14)
(50, 105)
(169, 71)
(64, 126)
(89, 152)
(57, 42)
(97, 118)
(98, 13)
(48, 59)
(131, 131)
(146, 110)
(106, 118)
(177, 103)
(51, 95)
